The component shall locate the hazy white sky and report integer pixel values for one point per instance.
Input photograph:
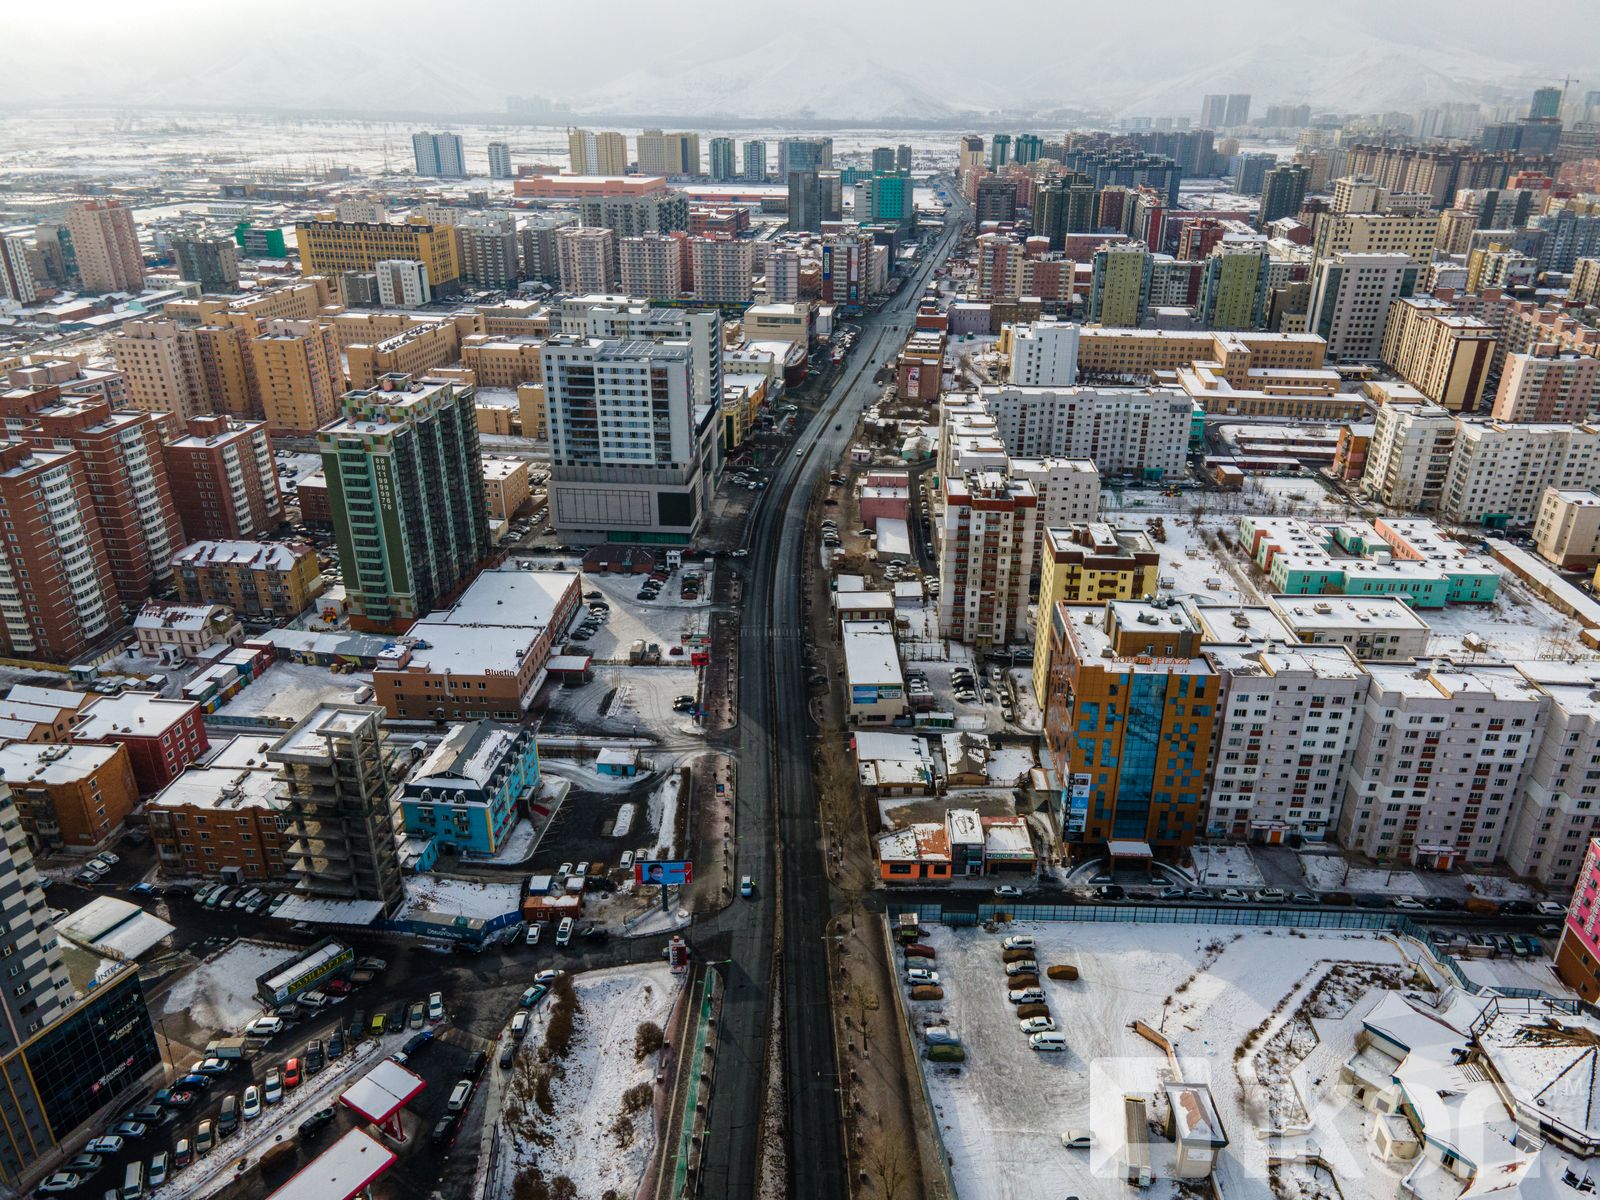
(761, 56)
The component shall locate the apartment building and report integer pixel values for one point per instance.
(69, 796)
(668, 153)
(1140, 432)
(105, 245)
(1499, 472)
(1041, 353)
(782, 276)
(591, 153)
(505, 486)
(502, 362)
(489, 251)
(439, 154)
(1439, 762)
(1372, 628)
(1350, 299)
(1578, 954)
(128, 487)
(405, 486)
(402, 282)
(652, 266)
(298, 375)
(224, 820)
(1120, 288)
(1443, 355)
(537, 244)
(1545, 384)
(848, 277)
(223, 479)
(1567, 530)
(987, 537)
(161, 364)
(1411, 234)
(1143, 353)
(468, 794)
(58, 594)
(402, 345)
(632, 452)
(339, 776)
(211, 260)
(272, 580)
(1409, 456)
(1558, 812)
(1130, 715)
(334, 247)
(629, 319)
(1287, 720)
(587, 258)
(1089, 563)
(162, 736)
(723, 270)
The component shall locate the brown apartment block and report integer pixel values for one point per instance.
(58, 596)
(69, 795)
(217, 461)
(105, 242)
(127, 472)
(225, 819)
(418, 350)
(256, 579)
(502, 362)
(30, 713)
(298, 376)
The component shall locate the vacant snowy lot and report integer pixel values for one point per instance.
(595, 1134)
(1001, 1113)
(221, 995)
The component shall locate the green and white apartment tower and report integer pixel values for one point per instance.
(405, 486)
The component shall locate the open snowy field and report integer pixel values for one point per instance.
(1001, 1113)
(595, 1133)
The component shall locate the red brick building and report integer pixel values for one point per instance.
(216, 458)
(162, 736)
(127, 475)
(58, 596)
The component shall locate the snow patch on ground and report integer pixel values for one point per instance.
(664, 814)
(624, 821)
(1330, 873)
(1225, 866)
(221, 994)
(583, 1142)
(460, 897)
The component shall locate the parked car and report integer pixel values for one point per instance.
(291, 1073)
(130, 1129)
(228, 1116)
(1077, 1139)
(1031, 1025)
(519, 1024)
(1408, 903)
(1549, 908)
(921, 975)
(108, 1143)
(252, 1102)
(533, 995)
(159, 1165)
(86, 1163)
(182, 1154)
(315, 1059)
(264, 1027)
(564, 931)
(1271, 895)
(1008, 891)
(418, 1016)
(436, 1007)
(316, 1122)
(1018, 941)
(61, 1181)
(1023, 966)
(460, 1095)
(444, 1131)
(1031, 995)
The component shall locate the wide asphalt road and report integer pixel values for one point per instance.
(777, 812)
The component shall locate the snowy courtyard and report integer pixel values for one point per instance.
(219, 996)
(1205, 987)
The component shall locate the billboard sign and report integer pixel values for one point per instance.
(668, 872)
(1078, 790)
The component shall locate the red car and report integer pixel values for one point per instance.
(291, 1073)
(337, 987)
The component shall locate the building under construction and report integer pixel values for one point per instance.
(340, 777)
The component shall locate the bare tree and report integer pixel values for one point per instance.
(885, 1163)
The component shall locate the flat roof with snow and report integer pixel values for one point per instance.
(341, 1171)
(109, 925)
(383, 1091)
(136, 714)
(870, 654)
(493, 625)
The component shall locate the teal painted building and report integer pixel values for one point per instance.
(467, 794)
